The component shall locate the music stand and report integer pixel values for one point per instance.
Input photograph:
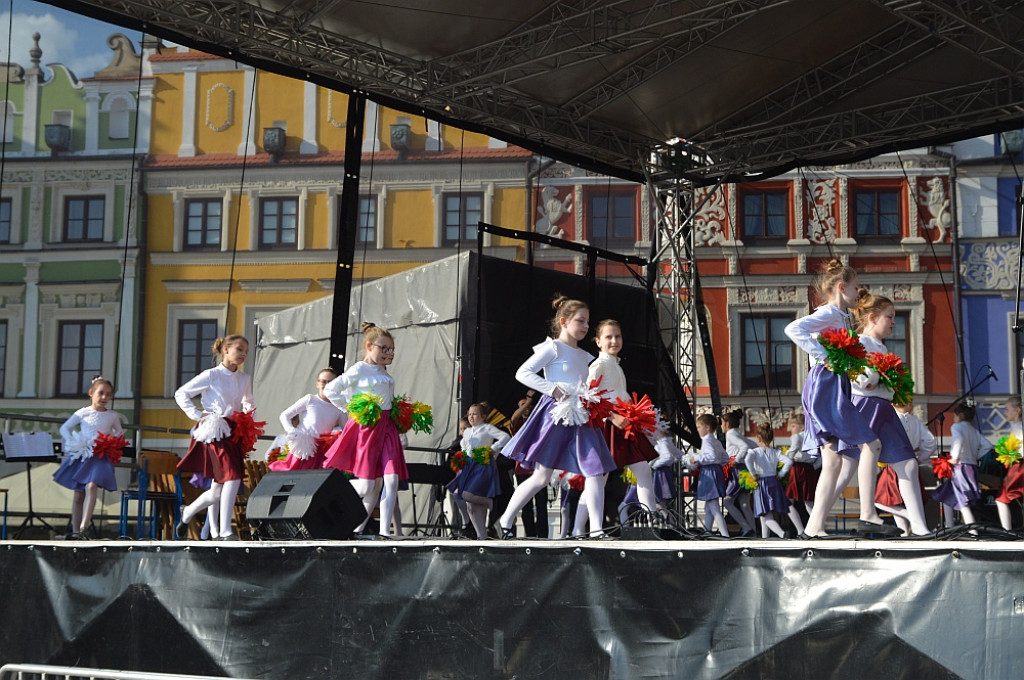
(438, 476)
(29, 447)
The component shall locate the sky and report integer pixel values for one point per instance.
(78, 42)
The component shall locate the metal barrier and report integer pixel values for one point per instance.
(14, 671)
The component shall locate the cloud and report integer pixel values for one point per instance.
(65, 38)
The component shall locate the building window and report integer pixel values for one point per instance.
(279, 222)
(5, 220)
(898, 343)
(462, 213)
(79, 356)
(3, 355)
(202, 224)
(877, 213)
(83, 218)
(765, 215)
(611, 219)
(118, 120)
(195, 343)
(768, 355)
(367, 220)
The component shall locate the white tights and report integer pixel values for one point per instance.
(220, 497)
(827, 490)
(593, 497)
(478, 507)
(910, 517)
(713, 516)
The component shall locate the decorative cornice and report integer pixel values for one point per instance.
(275, 285)
(198, 286)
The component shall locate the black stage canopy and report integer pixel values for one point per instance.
(759, 87)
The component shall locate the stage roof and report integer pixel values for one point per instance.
(759, 87)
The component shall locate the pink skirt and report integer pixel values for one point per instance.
(314, 462)
(368, 452)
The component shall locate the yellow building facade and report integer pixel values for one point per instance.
(234, 232)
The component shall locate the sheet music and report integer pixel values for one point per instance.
(27, 445)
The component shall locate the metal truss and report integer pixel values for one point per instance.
(829, 113)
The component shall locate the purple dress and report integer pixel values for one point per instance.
(541, 441)
(79, 467)
(827, 397)
(876, 407)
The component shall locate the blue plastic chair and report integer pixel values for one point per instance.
(159, 482)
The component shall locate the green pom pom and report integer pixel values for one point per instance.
(365, 408)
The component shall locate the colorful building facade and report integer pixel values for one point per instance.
(69, 246)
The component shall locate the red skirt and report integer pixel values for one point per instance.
(887, 489)
(802, 480)
(222, 460)
(368, 452)
(637, 449)
(1013, 484)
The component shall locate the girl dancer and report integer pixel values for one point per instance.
(372, 452)
(887, 496)
(477, 483)
(633, 453)
(545, 444)
(308, 442)
(769, 497)
(711, 478)
(737, 499)
(803, 475)
(876, 317)
(828, 408)
(215, 452)
(90, 453)
(968, 446)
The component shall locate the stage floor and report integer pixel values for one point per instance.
(427, 608)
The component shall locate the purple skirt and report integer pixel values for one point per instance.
(664, 483)
(664, 487)
(474, 478)
(77, 474)
(961, 490)
(829, 411)
(710, 482)
(573, 448)
(888, 429)
(769, 496)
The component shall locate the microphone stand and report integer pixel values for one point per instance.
(941, 415)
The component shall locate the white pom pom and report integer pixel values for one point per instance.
(211, 428)
(301, 443)
(572, 409)
(78, 446)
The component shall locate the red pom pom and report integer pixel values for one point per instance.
(111, 448)
(245, 430)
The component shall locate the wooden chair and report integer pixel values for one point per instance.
(851, 495)
(158, 495)
(254, 471)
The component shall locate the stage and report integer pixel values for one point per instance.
(413, 608)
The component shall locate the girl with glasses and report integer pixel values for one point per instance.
(308, 442)
(369, 446)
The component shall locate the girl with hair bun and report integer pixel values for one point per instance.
(829, 413)
(222, 436)
(90, 453)
(544, 443)
(370, 446)
(876, 317)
